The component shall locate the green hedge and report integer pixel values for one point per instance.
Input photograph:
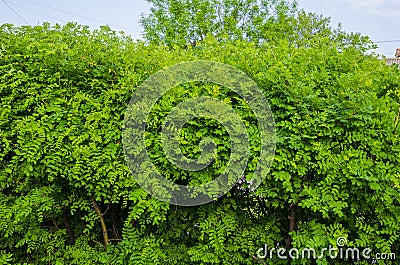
(64, 91)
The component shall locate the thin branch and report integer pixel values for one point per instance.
(114, 239)
(102, 222)
(292, 224)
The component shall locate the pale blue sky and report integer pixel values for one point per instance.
(379, 19)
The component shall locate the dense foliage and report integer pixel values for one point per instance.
(67, 196)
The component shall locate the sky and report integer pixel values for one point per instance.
(378, 19)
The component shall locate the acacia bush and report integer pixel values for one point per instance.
(68, 197)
